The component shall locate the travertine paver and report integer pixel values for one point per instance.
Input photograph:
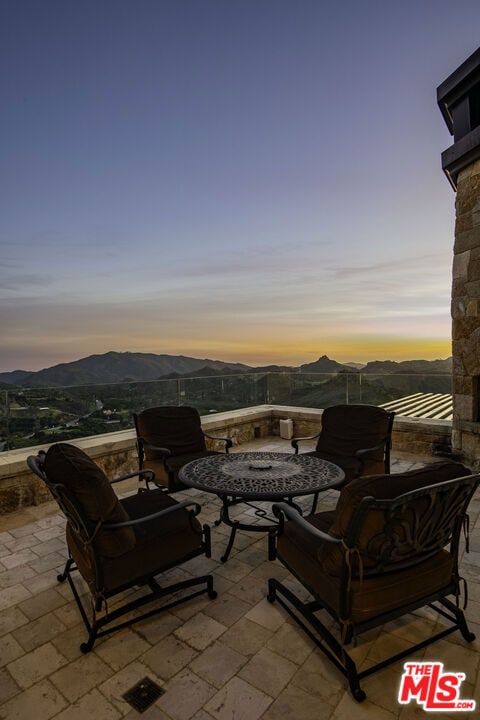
(79, 677)
(319, 679)
(268, 672)
(42, 702)
(218, 664)
(10, 650)
(238, 700)
(234, 658)
(226, 609)
(38, 632)
(13, 596)
(246, 637)
(347, 708)
(200, 631)
(92, 705)
(269, 616)
(32, 667)
(185, 695)
(42, 603)
(291, 642)
(122, 648)
(8, 686)
(10, 619)
(292, 701)
(168, 657)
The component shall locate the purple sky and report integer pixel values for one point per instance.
(250, 180)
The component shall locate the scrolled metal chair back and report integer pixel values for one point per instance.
(412, 527)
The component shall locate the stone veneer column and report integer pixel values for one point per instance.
(458, 98)
(466, 312)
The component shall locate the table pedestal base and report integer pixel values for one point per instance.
(235, 525)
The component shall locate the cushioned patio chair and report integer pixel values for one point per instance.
(168, 437)
(121, 543)
(390, 548)
(355, 437)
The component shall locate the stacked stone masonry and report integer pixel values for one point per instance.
(465, 314)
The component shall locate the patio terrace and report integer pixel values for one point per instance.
(236, 657)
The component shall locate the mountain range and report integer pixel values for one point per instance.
(114, 367)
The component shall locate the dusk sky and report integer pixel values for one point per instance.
(245, 180)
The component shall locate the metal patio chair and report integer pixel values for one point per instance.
(356, 437)
(120, 543)
(390, 548)
(168, 437)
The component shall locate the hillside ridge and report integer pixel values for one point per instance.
(114, 367)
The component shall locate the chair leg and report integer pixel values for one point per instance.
(336, 652)
(61, 577)
(321, 636)
(459, 616)
(106, 624)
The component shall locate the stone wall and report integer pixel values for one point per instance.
(465, 316)
(116, 453)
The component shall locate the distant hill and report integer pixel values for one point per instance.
(323, 365)
(16, 377)
(114, 367)
(427, 367)
(208, 371)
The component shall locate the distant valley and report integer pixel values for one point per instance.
(99, 394)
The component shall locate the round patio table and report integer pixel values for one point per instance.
(259, 476)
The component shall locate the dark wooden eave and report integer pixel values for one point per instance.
(458, 98)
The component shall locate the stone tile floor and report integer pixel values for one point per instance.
(233, 658)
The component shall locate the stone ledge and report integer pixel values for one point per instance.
(116, 452)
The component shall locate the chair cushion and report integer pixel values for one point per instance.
(350, 465)
(176, 428)
(161, 544)
(178, 461)
(377, 486)
(88, 485)
(369, 595)
(348, 428)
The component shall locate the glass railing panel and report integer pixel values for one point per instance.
(317, 390)
(228, 392)
(422, 396)
(35, 416)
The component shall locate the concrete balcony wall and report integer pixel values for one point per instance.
(116, 452)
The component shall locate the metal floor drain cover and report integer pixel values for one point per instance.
(143, 694)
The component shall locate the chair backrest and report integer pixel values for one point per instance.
(366, 516)
(404, 531)
(348, 428)
(176, 428)
(85, 496)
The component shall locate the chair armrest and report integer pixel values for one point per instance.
(137, 473)
(365, 451)
(163, 450)
(228, 442)
(296, 440)
(361, 454)
(153, 516)
(283, 510)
